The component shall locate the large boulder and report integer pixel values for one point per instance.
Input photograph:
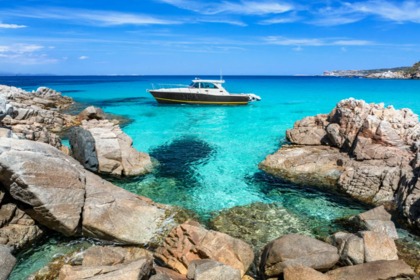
(49, 183)
(112, 213)
(378, 246)
(104, 142)
(377, 220)
(7, 262)
(365, 150)
(59, 194)
(373, 271)
(294, 250)
(350, 248)
(190, 241)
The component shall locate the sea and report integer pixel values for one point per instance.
(208, 155)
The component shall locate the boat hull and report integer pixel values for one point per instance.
(166, 97)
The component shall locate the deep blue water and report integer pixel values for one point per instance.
(209, 155)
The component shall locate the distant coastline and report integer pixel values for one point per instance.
(412, 72)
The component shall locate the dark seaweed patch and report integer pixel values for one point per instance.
(127, 101)
(178, 158)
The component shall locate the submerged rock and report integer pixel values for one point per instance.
(364, 150)
(293, 250)
(102, 147)
(189, 242)
(257, 223)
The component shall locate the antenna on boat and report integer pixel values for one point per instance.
(221, 75)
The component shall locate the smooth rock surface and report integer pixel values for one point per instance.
(293, 250)
(378, 246)
(190, 241)
(7, 262)
(211, 270)
(112, 213)
(50, 183)
(136, 270)
(303, 273)
(378, 270)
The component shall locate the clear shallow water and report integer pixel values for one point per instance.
(209, 155)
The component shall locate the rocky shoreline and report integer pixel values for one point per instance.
(45, 187)
(393, 73)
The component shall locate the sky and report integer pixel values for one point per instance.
(193, 37)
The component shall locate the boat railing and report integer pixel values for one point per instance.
(160, 86)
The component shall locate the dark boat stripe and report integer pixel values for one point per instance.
(201, 102)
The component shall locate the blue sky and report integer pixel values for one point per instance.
(194, 37)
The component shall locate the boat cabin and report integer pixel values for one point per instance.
(209, 86)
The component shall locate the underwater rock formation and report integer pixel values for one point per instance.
(364, 150)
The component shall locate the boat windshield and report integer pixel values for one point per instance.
(203, 85)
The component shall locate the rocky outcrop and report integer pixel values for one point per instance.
(373, 271)
(7, 262)
(102, 147)
(190, 241)
(35, 115)
(294, 250)
(17, 229)
(364, 150)
(62, 196)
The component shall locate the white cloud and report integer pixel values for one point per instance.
(242, 7)
(280, 20)
(25, 54)
(402, 11)
(91, 17)
(283, 41)
(11, 26)
(314, 42)
(226, 21)
(83, 57)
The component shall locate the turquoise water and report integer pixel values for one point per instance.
(209, 155)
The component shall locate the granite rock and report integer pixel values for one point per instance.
(190, 241)
(104, 142)
(377, 270)
(211, 270)
(367, 151)
(294, 250)
(7, 262)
